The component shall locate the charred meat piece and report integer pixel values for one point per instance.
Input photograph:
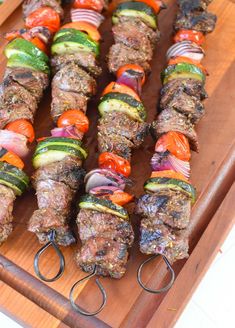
(65, 100)
(171, 120)
(55, 195)
(191, 87)
(16, 103)
(159, 239)
(187, 6)
(137, 26)
(120, 55)
(72, 78)
(187, 105)
(5, 231)
(131, 36)
(200, 21)
(166, 206)
(98, 224)
(46, 219)
(34, 81)
(124, 127)
(109, 256)
(115, 144)
(30, 6)
(67, 171)
(7, 198)
(82, 59)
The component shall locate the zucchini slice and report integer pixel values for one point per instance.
(13, 178)
(124, 103)
(24, 60)
(103, 205)
(183, 71)
(155, 184)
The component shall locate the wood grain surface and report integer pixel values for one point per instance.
(7, 8)
(212, 174)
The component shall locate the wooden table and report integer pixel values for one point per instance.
(40, 305)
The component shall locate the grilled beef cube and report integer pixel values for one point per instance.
(124, 126)
(171, 120)
(200, 21)
(5, 231)
(120, 55)
(193, 5)
(7, 198)
(65, 100)
(16, 103)
(35, 82)
(72, 78)
(55, 195)
(67, 171)
(96, 224)
(139, 27)
(30, 6)
(166, 206)
(191, 87)
(116, 144)
(129, 35)
(187, 105)
(110, 257)
(82, 59)
(158, 238)
(46, 219)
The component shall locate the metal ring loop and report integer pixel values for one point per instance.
(51, 237)
(163, 289)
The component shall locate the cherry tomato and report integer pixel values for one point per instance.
(176, 143)
(74, 117)
(44, 16)
(182, 59)
(114, 162)
(23, 127)
(90, 29)
(190, 35)
(11, 158)
(117, 87)
(131, 67)
(96, 5)
(168, 174)
(121, 197)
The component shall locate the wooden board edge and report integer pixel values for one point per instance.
(7, 8)
(198, 263)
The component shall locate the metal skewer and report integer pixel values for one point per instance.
(163, 289)
(52, 242)
(101, 288)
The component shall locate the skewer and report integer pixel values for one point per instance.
(186, 51)
(64, 172)
(104, 250)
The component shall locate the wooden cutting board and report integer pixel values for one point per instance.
(46, 305)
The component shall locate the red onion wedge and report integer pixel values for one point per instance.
(186, 49)
(69, 131)
(104, 177)
(132, 80)
(167, 161)
(15, 142)
(104, 190)
(87, 15)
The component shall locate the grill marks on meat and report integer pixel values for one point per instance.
(30, 6)
(82, 59)
(56, 184)
(159, 238)
(109, 256)
(120, 55)
(72, 78)
(33, 81)
(105, 238)
(171, 120)
(126, 128)
(166, 206)
(67, 171)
